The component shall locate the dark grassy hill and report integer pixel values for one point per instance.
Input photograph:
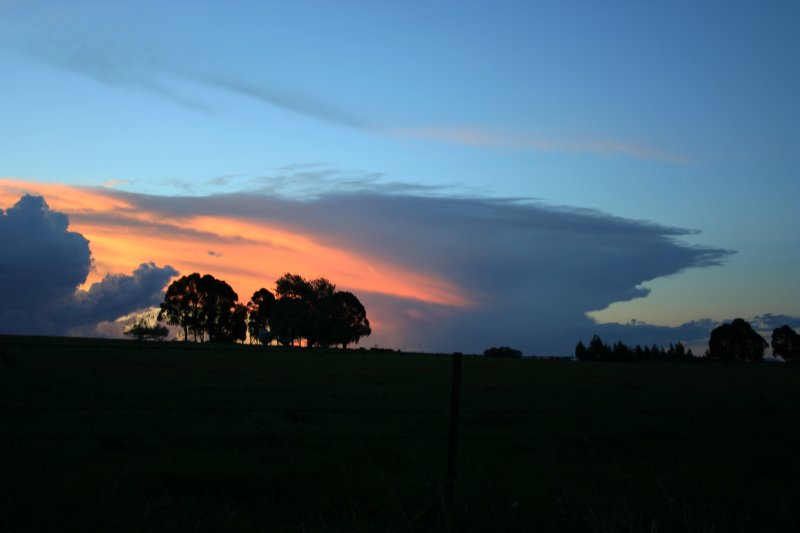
(120, 436)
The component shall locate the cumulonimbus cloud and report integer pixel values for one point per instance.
(527, 272)
(436, 272)
(42, 266)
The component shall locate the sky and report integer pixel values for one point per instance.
(477, 173)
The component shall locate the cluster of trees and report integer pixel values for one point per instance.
(738, 341)
(207, 309)
(735, 341)
(144, 330)
(502, 351)
(600, 351)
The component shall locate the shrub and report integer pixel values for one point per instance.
(143, 331)
(502, 351)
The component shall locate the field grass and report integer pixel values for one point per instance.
(120, 436)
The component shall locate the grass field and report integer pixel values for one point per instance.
(119, 436)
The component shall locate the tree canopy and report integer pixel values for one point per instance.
(144, 330)
(258, 313)
(206, 308)
(736, 341)
(786, 343)
(502, 351)
(316, 311)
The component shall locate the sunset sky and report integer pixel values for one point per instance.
(478, 173)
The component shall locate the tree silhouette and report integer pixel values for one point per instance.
(786, 343)
(291, 313)
(292, 286)
(143, 330)
(208, 308)
(204, 306)
(502, 351)
(580, 351)
(218, 310)
(238, 331)
(287, 320)
(600, 351)
(321, 312)
(316, 311)
(597, 350)
(345, 320)
(258, 314)
(736, 341)
(181, 305)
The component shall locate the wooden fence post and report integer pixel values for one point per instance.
(452, 445)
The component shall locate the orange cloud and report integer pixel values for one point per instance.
(248, 254)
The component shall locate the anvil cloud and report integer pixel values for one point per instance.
(435, 273)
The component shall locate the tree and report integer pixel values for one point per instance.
(143, 330)
(345, 320)
(292, 286)
(316, 311)
(620, 352)
(218, 309)
(290, 316)
(181, 305)
(502, 351)
(600, 351)
(322, 313)
(597, 350)
(786, 343)
(258, 314)
(203, 306)
(736, 341)
(238, 325)
(580, 351)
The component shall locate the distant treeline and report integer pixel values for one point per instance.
(734, 341)
(600, 351)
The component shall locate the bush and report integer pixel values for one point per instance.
(144, 331)
(502, 351)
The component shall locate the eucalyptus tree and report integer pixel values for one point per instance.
(736, 341)
(204, 306)
(258, 314)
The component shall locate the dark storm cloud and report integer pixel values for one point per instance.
(42, 265)
(119, 294)
(532, 271)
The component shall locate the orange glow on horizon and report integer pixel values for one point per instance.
(246, 253)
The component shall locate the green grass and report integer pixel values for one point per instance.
(120, 436)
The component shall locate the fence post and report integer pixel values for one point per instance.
(452, 445)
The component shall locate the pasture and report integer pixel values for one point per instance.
(111, 435)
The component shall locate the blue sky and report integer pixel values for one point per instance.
(682, 115)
